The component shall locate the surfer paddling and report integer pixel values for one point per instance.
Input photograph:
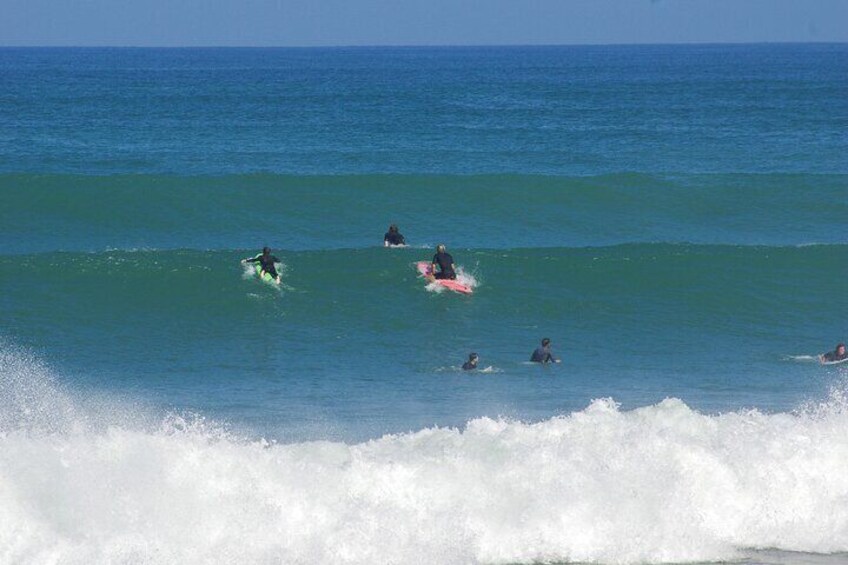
(267, 262)
(471, 364)
(393, 237)
(543, 354)
(838, 354)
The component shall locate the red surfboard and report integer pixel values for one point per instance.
(425, 269)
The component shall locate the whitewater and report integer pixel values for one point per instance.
(92, 480)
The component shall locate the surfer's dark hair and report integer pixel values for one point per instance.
(266, 250)
(546, 341)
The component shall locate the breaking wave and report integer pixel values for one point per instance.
(86, 481)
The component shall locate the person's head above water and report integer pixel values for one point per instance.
(473, 357)
(441, 248)
(840, 349)
(546, 342)
(393, 228)
(266, 250)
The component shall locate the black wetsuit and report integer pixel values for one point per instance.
(469, 366)
(394, 238)
(832, 356)
(267, 263)
(445, 263)
(543, 355)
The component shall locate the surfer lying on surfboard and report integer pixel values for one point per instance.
(835, 356)
(267, 263)
(393, 237)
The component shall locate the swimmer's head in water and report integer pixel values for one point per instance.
(473, 357)
(441, 248)
(840, 349)
(266, 250)
(546, 342)
(393, 228)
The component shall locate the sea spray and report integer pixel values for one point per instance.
(462, 276)
(663, 483)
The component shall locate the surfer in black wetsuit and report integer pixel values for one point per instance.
(838, 354)
(544, 354)
(471, 364)
(445, 262)
(266, 262)
(393, 237)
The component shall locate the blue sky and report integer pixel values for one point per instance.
(417, 22)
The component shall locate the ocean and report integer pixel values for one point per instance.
(673, 218)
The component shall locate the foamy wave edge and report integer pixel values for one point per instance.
(658, 484)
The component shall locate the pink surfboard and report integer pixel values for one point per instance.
(424, 268)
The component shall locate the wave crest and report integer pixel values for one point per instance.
(663, 483)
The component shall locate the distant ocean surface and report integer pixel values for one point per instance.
(674, 218)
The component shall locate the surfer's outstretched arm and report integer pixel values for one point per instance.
(431, 276)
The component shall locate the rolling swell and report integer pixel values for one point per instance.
(92, 213)
(190, 279)
(659, 298)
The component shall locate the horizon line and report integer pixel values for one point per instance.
(412, 45)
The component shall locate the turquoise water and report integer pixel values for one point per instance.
(672, 217)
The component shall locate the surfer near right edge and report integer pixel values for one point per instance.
(838, 354)
(445, 263)
(543, 354)
(266, 262)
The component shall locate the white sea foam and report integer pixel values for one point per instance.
(435, 287)
(458, 369)
(466, 278)
(803, 358)
(462, 277)
(664, 483)
(815, 359)
(249, 272)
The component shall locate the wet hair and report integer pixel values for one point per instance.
(473, 356)
(546, 341)
(393, 228)
(838, 345)
(266, 250)
(441, 248)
